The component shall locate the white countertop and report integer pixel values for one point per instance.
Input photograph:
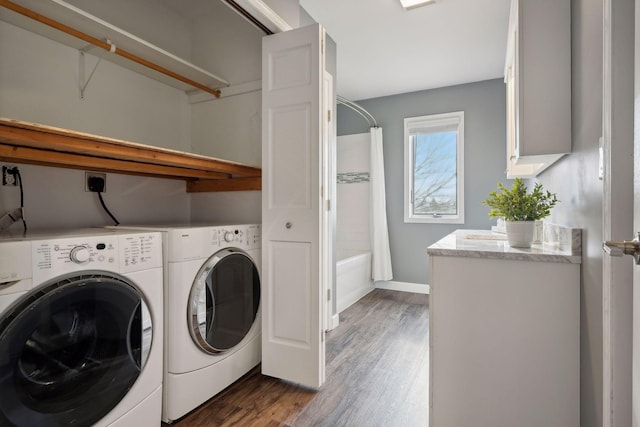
(486, 244)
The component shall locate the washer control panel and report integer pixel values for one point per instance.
(118, 253)
(140, 251)
(55, 257)
(80, 254)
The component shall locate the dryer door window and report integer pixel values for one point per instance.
(224, 301)
(71, 350)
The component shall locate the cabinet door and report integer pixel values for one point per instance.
(514, 169)
(505, 343)
(292, 136)
(538, 77)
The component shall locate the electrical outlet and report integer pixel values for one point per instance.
(9, 176)
(90, 176)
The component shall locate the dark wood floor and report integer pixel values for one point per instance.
(377, 375)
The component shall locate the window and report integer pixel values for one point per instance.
(433, 168)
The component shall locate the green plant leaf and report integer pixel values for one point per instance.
(515, 204)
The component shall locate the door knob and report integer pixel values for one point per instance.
(626, 247)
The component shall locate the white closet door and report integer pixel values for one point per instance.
(292, 307)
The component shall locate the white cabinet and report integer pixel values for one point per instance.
(538, 79)
(504, 337)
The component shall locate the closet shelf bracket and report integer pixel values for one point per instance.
(84, 81)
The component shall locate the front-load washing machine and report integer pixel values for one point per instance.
(212, 302)
(81, 329)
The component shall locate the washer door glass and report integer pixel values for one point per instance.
(224, 301)
(71, 350)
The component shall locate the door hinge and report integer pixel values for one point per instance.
(328, 294)
(328, 205)
(328, 115)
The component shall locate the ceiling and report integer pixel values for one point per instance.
(384, 49)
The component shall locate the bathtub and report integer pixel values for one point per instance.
(353, 277)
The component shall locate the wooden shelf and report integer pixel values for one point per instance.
(37, 144)
(71, 26)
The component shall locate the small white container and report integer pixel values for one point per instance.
(520, 233)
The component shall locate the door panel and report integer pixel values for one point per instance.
(290, 68)
(291, 299)
(292, 138)
(289, 159)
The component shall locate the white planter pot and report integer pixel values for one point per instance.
(520, 233)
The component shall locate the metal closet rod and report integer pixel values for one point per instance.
(358, 109)
(104, 45)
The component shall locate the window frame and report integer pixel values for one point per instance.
(433, 121)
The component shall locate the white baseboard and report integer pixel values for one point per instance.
(335, 321)
(346, 301)
(392, 285)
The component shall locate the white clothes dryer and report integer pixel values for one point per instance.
(212, 310)
(81, 329)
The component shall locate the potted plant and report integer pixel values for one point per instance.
(520, 210)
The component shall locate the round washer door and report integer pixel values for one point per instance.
(224, 301)
(71, 350)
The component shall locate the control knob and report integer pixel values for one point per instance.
(80, 254)
(228, 236)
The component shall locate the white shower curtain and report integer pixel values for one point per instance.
(381, 255)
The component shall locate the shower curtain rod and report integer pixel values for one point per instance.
(358, 109)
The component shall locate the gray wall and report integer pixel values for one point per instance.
(483, 104)
(575, 179)
(229, 127)
(56, 198)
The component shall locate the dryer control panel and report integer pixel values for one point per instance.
(243, 236)
(254, 236)
(184, 244)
